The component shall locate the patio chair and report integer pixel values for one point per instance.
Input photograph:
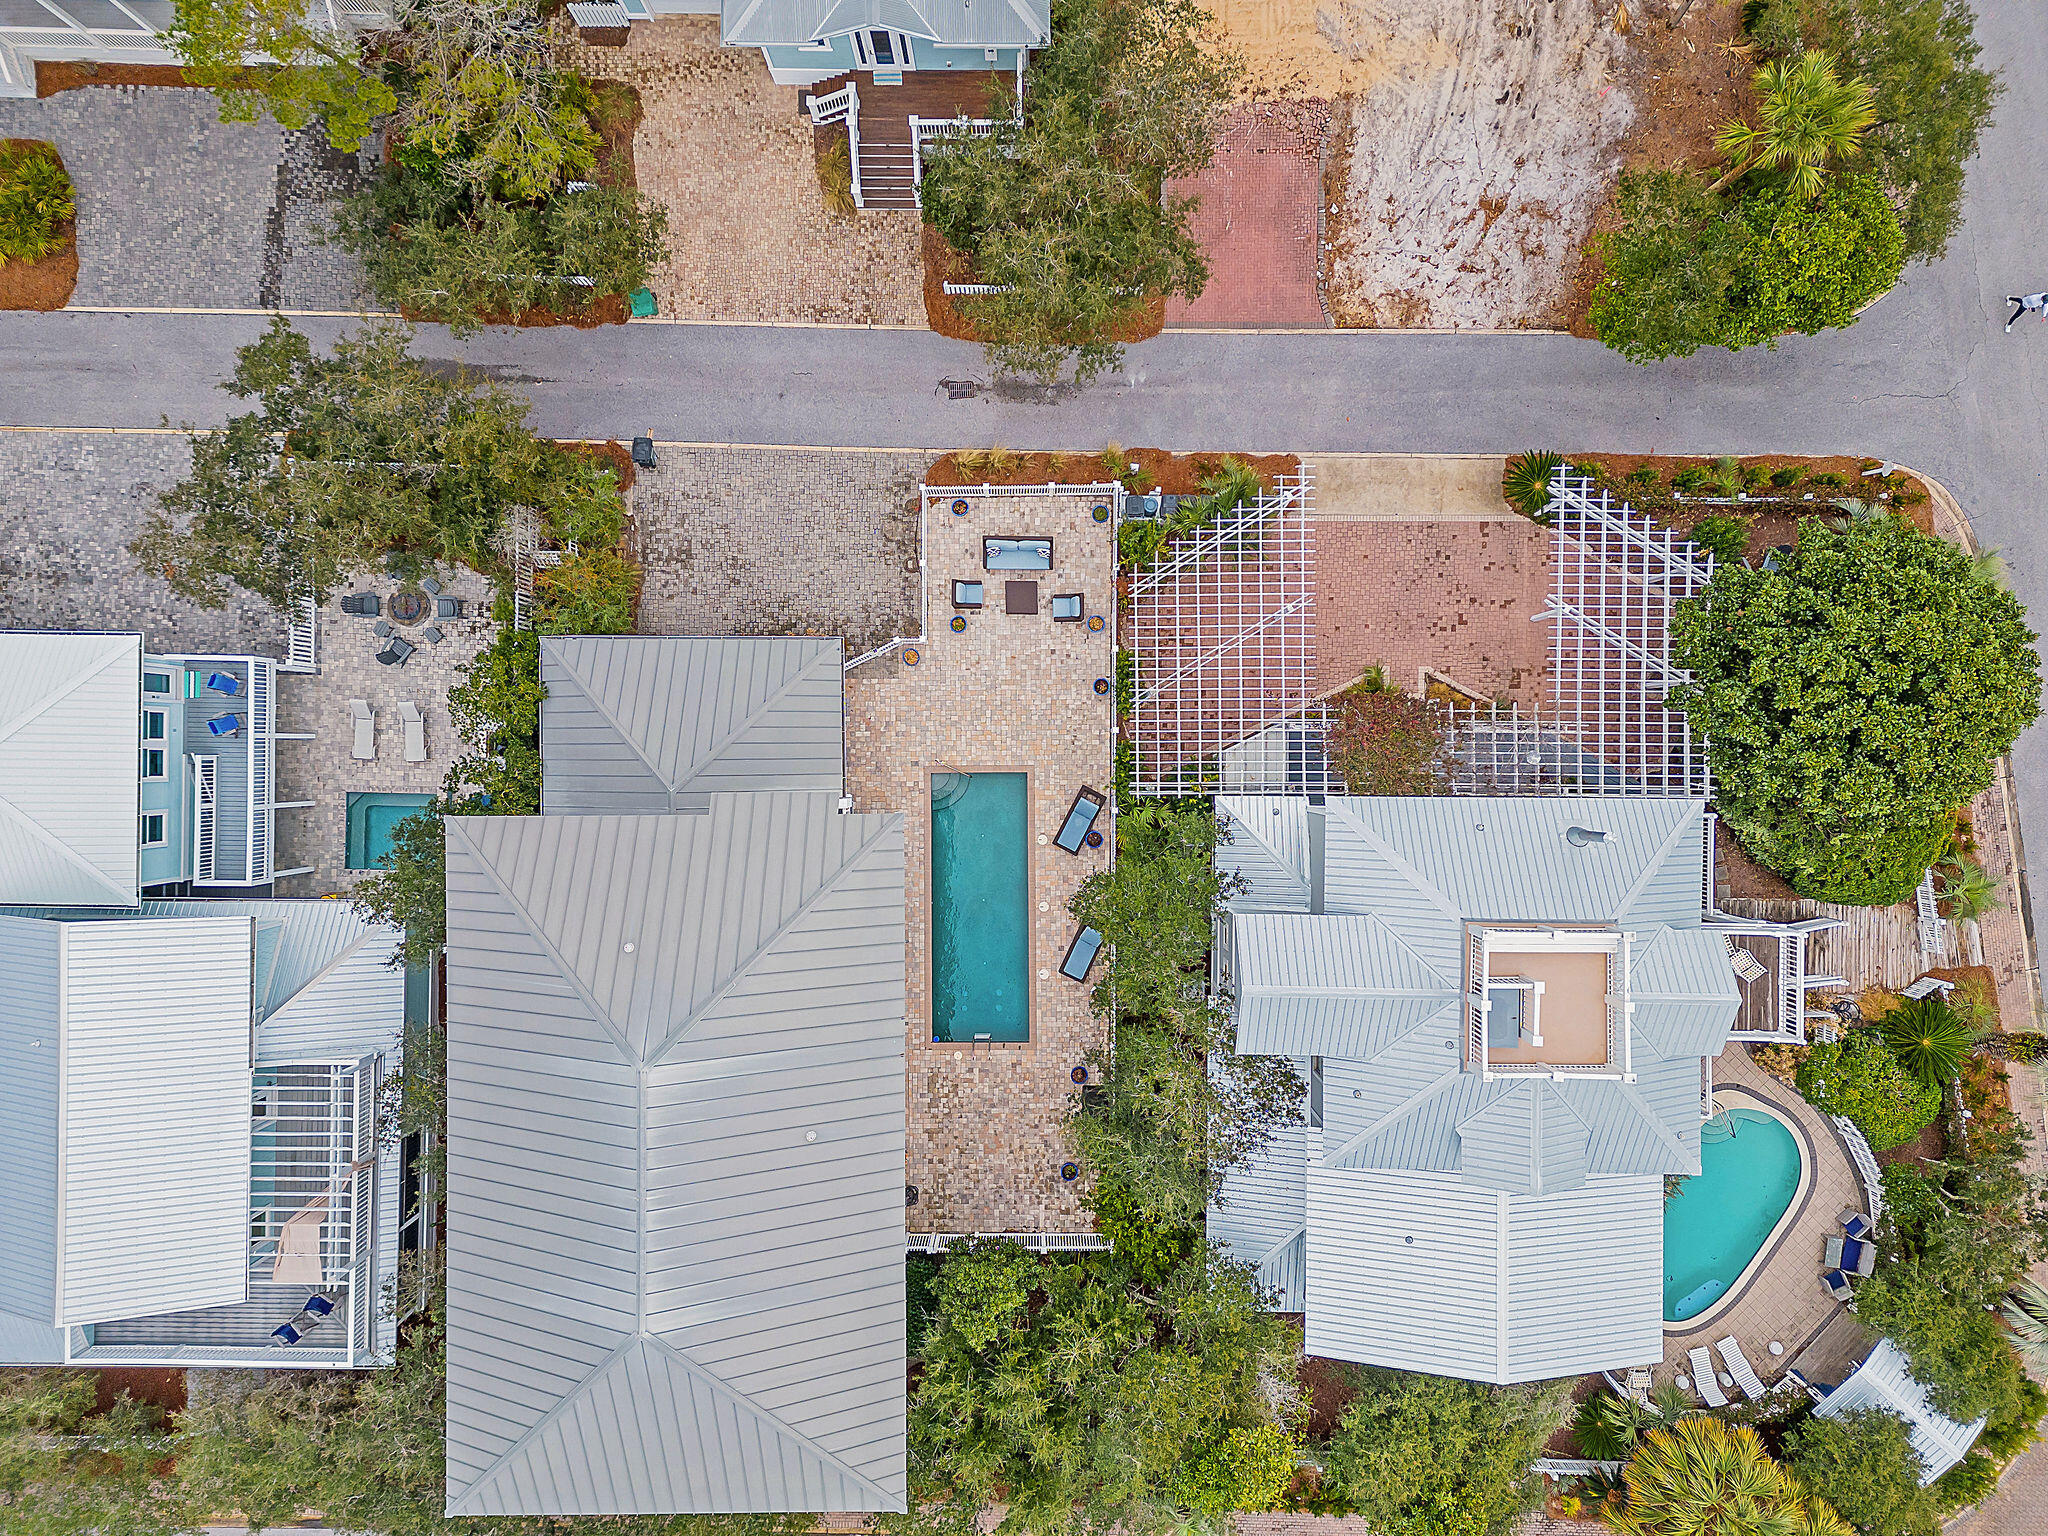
(1069, 607)
(430, 586)
(967, 594)
(366, 605)
(1854, 1224)
(319, 1304)
(448, 608)
(1636, 1385)
(225, 725)
(432, 634)
(1080, 957)
(285, 1333)
(415, 731)
(1080, 820)
(1703, 1381)
(381, 627)
(396, 653)
(1740, 1368)
(365, 748)
(1838, 1285)
(1746, 965)
(220, 682)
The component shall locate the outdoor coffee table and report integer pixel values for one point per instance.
(408, 605)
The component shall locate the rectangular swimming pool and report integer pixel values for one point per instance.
(372, 818)
(981, 907)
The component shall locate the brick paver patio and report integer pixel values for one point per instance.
(322, 770)
(1260, 219)
(1014, 692)
(768, 542)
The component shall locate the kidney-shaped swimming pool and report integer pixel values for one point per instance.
(1721, 1219)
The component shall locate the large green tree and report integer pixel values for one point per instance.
(350, 455)
(1066, 211)
(1079, 1397)
(1864, 1464)
(1671, 269)
(1176, 1108)
(1435, 1456)
(312, 72)
(1853, 698)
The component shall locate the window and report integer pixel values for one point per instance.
(156, 682)
(153, 724)
(153, 830)
(153, 762)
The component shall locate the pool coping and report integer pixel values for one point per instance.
(1732, 1097)
(931, 946)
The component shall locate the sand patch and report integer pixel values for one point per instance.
(1468, 165)
(1324, 47)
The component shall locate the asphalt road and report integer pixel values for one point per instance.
(1926, 378)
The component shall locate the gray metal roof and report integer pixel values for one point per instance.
(675, 1161)
(1428, 1272)
(994, 23)
(69, 786)
(1885, 1380)
(636, 724)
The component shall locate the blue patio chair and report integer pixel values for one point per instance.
(1081, 954)
(1838, 1285)
(225, 725)
(1069, 607)
(1080, 819)
(318, 1305)
(1855, 1224)
(220, 682)
(283, 1334)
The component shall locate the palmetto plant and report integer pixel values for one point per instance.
(1929, 1039)
(1702, 1477)
(1969, 891)
(1808, 117)
(1526, 482)
(35, 199)
(1607, 1426)
(2026, 1313)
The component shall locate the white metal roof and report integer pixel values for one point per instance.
(1427, 1272)
(69, 788)
(994, 23)
(153, 1151)
(1885, 1380)
(675, 1161)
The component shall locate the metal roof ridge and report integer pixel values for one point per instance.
(754, 717)
(1423, 887)
(1400, 1111)
(1240, 823)
(1689, 815)
(553, 1413)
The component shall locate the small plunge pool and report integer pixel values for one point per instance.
(372, 818)
(1720, 1219)
(981, 923)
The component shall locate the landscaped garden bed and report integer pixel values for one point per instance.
(38, 227)
(1179, 474)
(54, 75)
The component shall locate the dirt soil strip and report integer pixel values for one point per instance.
(45, 284)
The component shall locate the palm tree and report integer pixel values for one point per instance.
(2026, 1311)
(1807, 118)
(1702, 1477)
(1929, 1039)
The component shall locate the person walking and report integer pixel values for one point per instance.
(2036, 302)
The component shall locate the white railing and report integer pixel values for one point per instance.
(843, 106)
(1925, 907)
(302, 1163)
(205, 798)
(924, 129)
(302, 635)
(262, 758)
(1707, 903)
(1037, 1242)
(1866, 1164)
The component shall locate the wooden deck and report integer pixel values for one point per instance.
(886, 111)
(1874, 947)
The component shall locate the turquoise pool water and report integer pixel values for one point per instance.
(371, 820)
(1714, 1225)
(981, 934)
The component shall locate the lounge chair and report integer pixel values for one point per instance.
(1838, 1285)
(415, 731)
(1703, 1381)
(225, 725)
(967, 594)
(1080, 957)
(319, 1305)
(366, 605)
(396, 653)
(365, 748)
(1069, 607)
(1080, 820)
(1740, 1368)
(448, 608)
(1746, 965)
(285, 1333)
(1636, 1386)
(1854, 1224)
(220, 682)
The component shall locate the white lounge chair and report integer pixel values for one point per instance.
(415, 731)
(365, 748)
(1740, 1368)
(1703, 1378)
(1746, 965)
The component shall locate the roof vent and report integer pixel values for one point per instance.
(1583, 837)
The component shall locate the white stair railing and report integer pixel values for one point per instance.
(843, 106)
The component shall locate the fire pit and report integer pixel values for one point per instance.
(408, 605)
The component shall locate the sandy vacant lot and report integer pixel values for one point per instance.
(749, 236)
(1474, 143)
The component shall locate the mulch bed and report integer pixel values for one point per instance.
(612, 309)
(617, 117)
(71, 74)
(613, 454)
(943, 264)
(1176, 473)
(1685, 83)
(1743, 876)
(44, 284)
(166, 1389)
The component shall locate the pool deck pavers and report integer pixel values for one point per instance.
(1014, 692)
(1783, 1300)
